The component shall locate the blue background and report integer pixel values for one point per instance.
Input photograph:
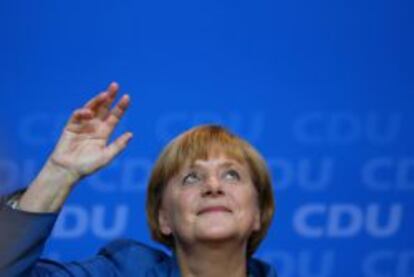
(324, 89)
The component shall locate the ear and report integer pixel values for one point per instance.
(164, 222)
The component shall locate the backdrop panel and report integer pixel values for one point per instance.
(324, 89)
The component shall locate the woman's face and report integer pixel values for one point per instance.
(210, 200)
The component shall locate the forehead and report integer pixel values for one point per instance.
(215, 161)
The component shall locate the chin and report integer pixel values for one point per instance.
(216, 236)
(217, 231)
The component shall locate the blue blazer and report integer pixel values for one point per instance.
(23, 235)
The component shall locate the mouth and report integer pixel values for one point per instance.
(214, 209)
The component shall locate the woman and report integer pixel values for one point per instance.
(209, 200)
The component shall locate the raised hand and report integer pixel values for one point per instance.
(82, 149)
(83, 146)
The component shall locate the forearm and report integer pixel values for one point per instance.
(22, 237)
(49, 190)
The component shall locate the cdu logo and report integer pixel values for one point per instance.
(347, 127)
(347, 220)
(304, 263)
(250, 125)
(306, 173)
(385, 173)
(387, 263)
(75, 221)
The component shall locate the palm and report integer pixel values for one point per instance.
(83, 148)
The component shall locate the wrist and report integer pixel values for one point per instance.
(55, 170)
(49, 190)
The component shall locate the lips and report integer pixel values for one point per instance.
(213, 209)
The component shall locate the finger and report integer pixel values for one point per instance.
(118, 145)
(118, 111)
(110, 94)
(113, 87)
(96, 102)
(80, 115)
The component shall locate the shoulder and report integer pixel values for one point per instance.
(131, 248)
(128, 255)
(130, 245)
(260, 268)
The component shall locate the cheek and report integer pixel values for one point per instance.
(247, 203)
(181, 206)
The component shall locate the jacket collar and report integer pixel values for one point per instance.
(255, 268)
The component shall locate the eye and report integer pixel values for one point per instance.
(191, 178)
(232, 175)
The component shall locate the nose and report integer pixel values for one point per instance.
(213, 187)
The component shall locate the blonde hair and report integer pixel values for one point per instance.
(197, 143)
